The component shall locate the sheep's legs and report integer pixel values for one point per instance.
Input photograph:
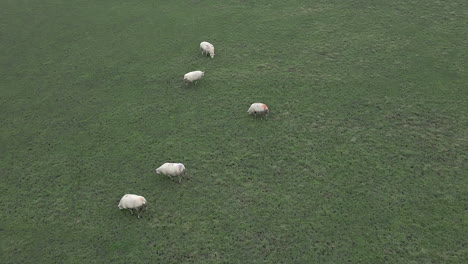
(131, 211)
(139, 212)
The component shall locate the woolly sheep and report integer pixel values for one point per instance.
(207, 48)
(258, 109)
(172, 169)
(133, 201)
(194, 76)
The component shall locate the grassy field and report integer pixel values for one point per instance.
(363, 158)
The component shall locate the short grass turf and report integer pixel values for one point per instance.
(362, 160)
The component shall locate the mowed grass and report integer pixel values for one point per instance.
(363, 158)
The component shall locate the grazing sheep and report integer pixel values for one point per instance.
(194, 76)
(258, 109)
(132, 201)
(207, 48)
(172, 169)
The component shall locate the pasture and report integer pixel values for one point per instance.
(363, 158)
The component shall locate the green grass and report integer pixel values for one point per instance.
(362, 160)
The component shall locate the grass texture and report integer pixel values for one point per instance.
(363, 158)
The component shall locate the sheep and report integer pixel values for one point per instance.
(258, 109)
(132, 201)
(172, 169)
(207, 48)
(194, 76)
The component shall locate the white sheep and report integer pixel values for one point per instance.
(207, 48)
(194, 76)
(133, 201)
(258, 109)
(172, 169)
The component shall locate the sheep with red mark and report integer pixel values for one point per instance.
(259, 109)
(133, 201)
(193, 77)
(207, 49)
(172, 170)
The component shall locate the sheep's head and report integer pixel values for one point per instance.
(212, 55)
(157, 171)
